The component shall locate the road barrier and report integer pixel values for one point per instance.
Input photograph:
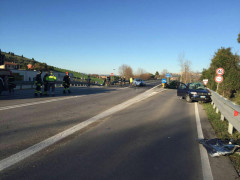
(227, 109)
(30, 84)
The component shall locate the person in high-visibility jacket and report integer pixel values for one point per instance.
(38, 84)
(131, 81)
(51, 79)
(66, 83)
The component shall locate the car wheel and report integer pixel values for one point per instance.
(188, 99)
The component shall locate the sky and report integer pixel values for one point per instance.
(98, 36)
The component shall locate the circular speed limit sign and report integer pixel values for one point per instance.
(218, 79)
(220, 71)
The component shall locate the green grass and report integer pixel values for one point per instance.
(221, 131)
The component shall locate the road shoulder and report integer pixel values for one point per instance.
(222, 167)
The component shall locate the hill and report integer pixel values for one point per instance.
(36, 65)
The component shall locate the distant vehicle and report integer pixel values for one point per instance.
(6, 80)
(194, 92)
(138, 82)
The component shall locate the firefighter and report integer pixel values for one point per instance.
(38, 84)
(45, 82)
(108, 81)
(66, 83)
(88, 81)
(51, 79)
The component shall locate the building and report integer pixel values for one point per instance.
(9, 65)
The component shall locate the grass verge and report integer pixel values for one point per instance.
(221, 131)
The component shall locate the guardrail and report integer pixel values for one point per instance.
(226, 108)
(30, 84)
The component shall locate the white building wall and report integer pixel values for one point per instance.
(29, 75)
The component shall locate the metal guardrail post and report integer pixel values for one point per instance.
(222, 117)
(230, 128)
(227, 108)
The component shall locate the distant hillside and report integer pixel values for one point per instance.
(36, 65)
(23, 62)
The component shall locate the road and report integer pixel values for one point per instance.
(154, 138)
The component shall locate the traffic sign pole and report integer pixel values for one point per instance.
(218, 79)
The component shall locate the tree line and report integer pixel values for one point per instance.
(127, 72)
(230, 62)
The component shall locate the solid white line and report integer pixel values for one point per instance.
(38, 147)
(206, 168)
(39, 102)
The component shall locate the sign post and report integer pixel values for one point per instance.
(163, 82)
(219, 78)
(220, 71)
(112, 77)
(168, 75)
(205, 81)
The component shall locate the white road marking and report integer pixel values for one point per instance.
(39, 102)
(206, 168)
(15, 158)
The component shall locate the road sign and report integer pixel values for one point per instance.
(220, 71)
(218, 79)
(164, 80)
(205, 81)
(111, 74)
(168, 75)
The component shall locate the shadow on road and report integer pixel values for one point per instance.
(75, 91)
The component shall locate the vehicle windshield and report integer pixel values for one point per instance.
(196, 86)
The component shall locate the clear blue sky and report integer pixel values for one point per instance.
(97, 36)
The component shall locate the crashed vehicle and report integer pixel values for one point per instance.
(194, 92)
(138, 82)
(218, 147)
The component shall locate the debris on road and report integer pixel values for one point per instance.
(218, 147)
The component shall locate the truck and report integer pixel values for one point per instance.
(6, 80)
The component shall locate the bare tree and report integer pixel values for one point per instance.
(164, 72)
(141, 73)
(125, 71)
(185, 65)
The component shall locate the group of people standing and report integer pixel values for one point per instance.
(49, 82)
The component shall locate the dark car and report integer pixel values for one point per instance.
(194, 92)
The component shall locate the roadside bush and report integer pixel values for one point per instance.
(173, 85)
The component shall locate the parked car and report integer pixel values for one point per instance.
(194, 92)
(138, 82)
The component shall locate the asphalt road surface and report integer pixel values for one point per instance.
(154, 138)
